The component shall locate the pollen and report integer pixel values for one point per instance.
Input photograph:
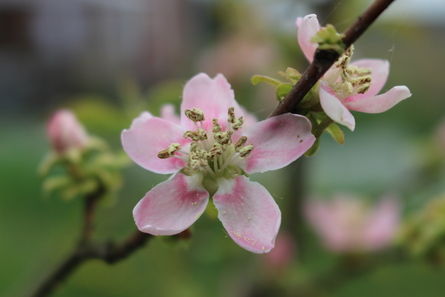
(351, 80)
(213, 151)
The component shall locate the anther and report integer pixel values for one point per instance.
(238, 123)
(195, 114)
(246, 151)
(216, 126)
(231, 113)
(240, 143)
(170, 151)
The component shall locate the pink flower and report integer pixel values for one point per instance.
(350, 86)
(65, 132)
(281, 257)
(210, 150)
(347, 224)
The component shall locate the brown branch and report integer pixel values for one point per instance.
(324, 59)
(108, 252)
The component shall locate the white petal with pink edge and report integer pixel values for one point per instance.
(172, 206)
(248, 213)
(334, 108)
(212, 96)
(382, 102)
(308, 27)
(277, 141)
(146, 137)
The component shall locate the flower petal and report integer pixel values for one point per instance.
(212, 96)
(334, 108)
(277, 141)
(172, 206)
(379, 73)
(146, 137)
(382, 224)
(168, 113)
(248, 213)
(382, 102)
(308, 27)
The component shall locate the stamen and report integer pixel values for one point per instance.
(246, 151)
(196, 135)
(238, 123)
(195, 114)
(240, 143)
(170, 151)
(231, 113)
(216, 126)
(224, 137)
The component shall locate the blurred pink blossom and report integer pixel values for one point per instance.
(65, 132)
(347, 224)
(350, 86)
(282, 255)
(209, 150)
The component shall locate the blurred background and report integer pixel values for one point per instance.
(108, 60)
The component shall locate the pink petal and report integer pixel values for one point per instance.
(212, 96)
(248, 213)
(308, 27)
(147, 137)
(277, 141)
(168, 113)
(382, 102)
(379, 73)
(327, 218)
(382, 224)
(172, 206)
(334, 108)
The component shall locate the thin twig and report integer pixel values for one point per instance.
(324, 59)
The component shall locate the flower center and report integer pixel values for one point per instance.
(350, 80)
(212, 153)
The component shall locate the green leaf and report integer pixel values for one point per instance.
(55, 183)
(282, 90)
(336, 133)
(314, 148)
(256, 79)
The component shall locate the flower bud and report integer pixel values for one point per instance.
(65, 132)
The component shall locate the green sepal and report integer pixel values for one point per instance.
(256, 79)
(54, 183)
(336, 133)
(211, 211)
(48, 163)
(329, 39)
(314, 148)
(282, 90)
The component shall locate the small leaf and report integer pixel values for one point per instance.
(293, 74)
(54, 183)
(336, 133)
(282, 90)
(256, 79)
(314, 148)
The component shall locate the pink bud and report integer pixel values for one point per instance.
(65, 132)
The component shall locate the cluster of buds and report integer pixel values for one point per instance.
(88, 164)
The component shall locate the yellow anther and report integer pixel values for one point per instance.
(170, 151)
(240, 143)
(246, 151)
(216, 126)
(238, 123)
(231, 113)
(195, 114)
